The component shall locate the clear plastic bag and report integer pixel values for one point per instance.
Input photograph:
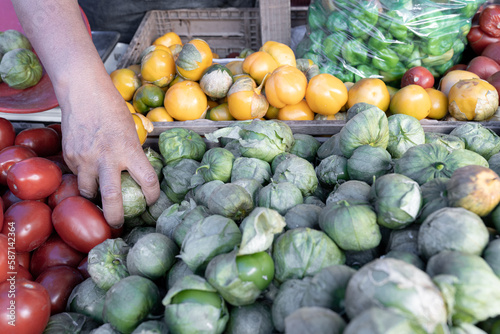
(383, 38)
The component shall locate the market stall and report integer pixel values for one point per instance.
(324, 166)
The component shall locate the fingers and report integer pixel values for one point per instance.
(144, 174)
(111, 196)
(87, 184)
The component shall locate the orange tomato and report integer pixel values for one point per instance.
(126, 82)
(439, 103)
(130, 107)
(272, 112)
(186, 101)
(158, 68)
(282, 53)
(245, 100)
(168, 39)
(142, 133)
(326, 94)
(258, 65)
(159, 114)
(411, 100)
(370, 90)
(194, 58)
(220, 113)
(286, 85)
(296, 112)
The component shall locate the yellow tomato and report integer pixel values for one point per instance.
(194, 58)
(130, 107)
(220, 113)
(159, 114)
(245, 100)
(158, 68)
(136, 68)
(186, 101)
(258, 65)
(236, 67)
(126, 82)
(296, 112)
(326, 94)
(282, 53)
(370, 90)
(411, 100)
(139, 127)
(272, 112)
(212, 104)
(286, 85)
(439, 103)
(168, 39)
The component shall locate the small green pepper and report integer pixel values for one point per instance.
(443, 68)
(333, 44)
(337, 21)
(415, 59)
(390, 5)
(317, 37)
(385, 59)
(358, 28)
(379, 40)
(316, 18)
(403, 49)
(431, 61)
(394, 74)
(438, 43)
(316, 58)
(366, 11)
(394, 22)
(365, 71)
(354, 52)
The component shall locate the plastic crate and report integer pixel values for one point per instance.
(225, 30)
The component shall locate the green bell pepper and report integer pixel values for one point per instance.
(379, 40)
(390, 5)
(394, 22)
(317, 37)
(316, 18)
(337, 21)
(354, 52)
(470, 7)
(403, 49)
(385, 60)
(432, 61)
(365, 71)
(332, 45)
(438, 43)
(395, 74)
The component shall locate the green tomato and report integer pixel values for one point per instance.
(257, 268)
(197, 297)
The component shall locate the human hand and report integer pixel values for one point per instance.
(100, 141)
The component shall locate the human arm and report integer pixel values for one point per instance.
(99, 137)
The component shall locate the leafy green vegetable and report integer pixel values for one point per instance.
(107, 262)
(251, 168)
(217, 164)
(231, 201)
(280, 196)
(181, 143)
(404, 132)
(299, 172)
(134, 201)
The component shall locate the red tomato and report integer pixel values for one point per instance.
(9, 198)
(83, 267)
(34, 178)
(22, 272)
(4, 257)
(57, 127)
(25, 304)
(59, 282)
(489, 20)
(67, 188)
(24, 259)
(492, 51)
(54, 252)
(7, 133)
(2, 209)
(483, 66)
(478, 40)
(80, 223)
(44, 141)
(9, 156)
(30, 221)
(418, 75)
(59, 161)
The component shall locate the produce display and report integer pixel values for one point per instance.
(383, 227)
(379, 228)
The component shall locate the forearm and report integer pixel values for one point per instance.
(63, 44)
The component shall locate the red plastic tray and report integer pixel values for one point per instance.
(38, 98)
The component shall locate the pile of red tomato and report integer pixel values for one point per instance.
(46, 227)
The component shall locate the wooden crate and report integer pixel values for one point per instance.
(226, 30)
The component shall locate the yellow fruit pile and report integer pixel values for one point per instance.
(180, 82)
